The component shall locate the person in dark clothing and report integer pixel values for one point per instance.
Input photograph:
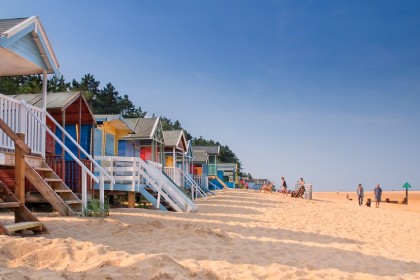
(378, 194)
(360, 194)
(284, 185)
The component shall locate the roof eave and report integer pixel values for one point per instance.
(42, 42)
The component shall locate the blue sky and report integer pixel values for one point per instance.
(324, 90)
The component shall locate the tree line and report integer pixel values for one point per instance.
(106, 100)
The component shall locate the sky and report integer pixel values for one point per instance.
(324, 90)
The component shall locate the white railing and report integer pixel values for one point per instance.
(202, 181)
(173, 190)
(175, 174)
(123, 170)
(134, 171)
(181, 178)
(19, 120)
(155, 164)
(196, 190)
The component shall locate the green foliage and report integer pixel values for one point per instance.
(21, 84)
(9, 85)
(93, 209)
(57, 84)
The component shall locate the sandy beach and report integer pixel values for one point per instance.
(236, 234)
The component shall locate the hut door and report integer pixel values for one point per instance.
(169, 162)
(109, 144)
(97, 143)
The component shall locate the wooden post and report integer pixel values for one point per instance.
(131, 199)
(20, 170)
(84, 190)
(44, 110)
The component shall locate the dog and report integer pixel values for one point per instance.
(368, 202)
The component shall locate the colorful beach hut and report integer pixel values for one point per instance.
(147, 136)
(175, 148)
(72, 112)
(109, 134)
(212, 153)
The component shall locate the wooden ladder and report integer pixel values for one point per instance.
(24, 219)
(54, 190)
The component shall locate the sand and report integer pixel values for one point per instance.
(236, 234)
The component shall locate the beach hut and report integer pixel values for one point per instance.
(148, 136)
(206, 163)
(212, 153)
(230, 173)
(176, 166)
(198, 167)
(175, 148)
(73, 113)
(109, 134)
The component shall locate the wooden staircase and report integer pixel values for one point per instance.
(24, 219)
(53, 189)
(163, 202)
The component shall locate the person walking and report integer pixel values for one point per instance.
(284, 185)
(360, 194)
(378, 193)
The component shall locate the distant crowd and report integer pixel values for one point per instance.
(268, 187)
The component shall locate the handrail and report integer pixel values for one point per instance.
(216, 187)
(159, 189)
(194, 184)
(61, 144)
(178, 194)
(81, 148)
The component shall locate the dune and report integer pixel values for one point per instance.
(236, 234)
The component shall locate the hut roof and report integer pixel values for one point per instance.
(200, 156)
(175, 138)
(146, 128)
(56, 100)
(6, 24)
(60, 101)
(210, 150)
(117, 121)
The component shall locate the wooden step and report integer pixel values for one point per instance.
(43, 169)
(10, 204)
(22, 226)
(63, 191)
(72, 202)
(52, 180)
